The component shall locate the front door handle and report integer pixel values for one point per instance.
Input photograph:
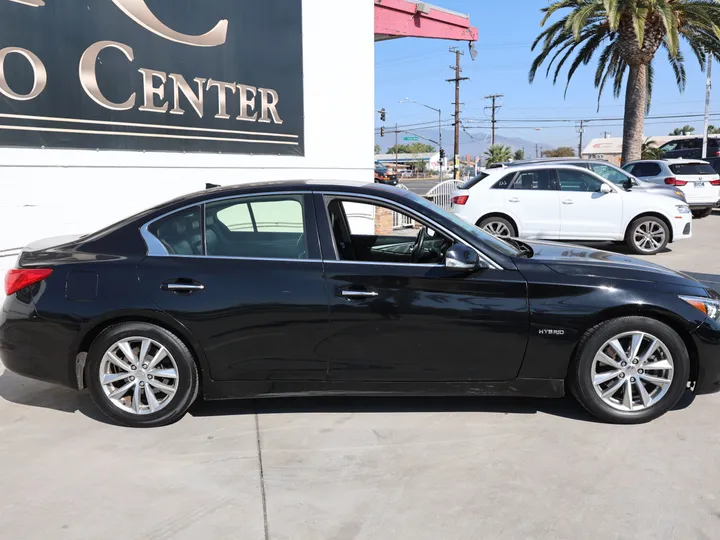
(350, 295)
(182, 286)
(568, 201)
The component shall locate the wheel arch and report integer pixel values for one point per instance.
(659, 215)
(503, 215)
(92, 330)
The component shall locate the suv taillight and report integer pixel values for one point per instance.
(715, 182)
(460, 199)
(675, 182)
(19, 278)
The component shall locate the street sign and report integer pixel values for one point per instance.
(410, 139)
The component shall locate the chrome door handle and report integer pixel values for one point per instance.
(568, 201)
(183, 287)
(514, 199)
(358, 294)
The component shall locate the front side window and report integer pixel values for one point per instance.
(577, 181)
(270, 227)
(669, 147)
(612, 174)
(540, 180)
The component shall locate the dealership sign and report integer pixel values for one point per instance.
(164, 75)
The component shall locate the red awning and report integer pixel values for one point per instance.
(411, 18)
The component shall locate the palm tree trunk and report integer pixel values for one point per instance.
(635, 104)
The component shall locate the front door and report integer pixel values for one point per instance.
(532, 199)
(248, 285)
(585, 212)
(398, 315)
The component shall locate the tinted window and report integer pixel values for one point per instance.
(265, 227)
(691, 168)
(474, 181)
(540, 180)
(504, 181)
(180, 233)
(669, 147)
(713, 142)
(715, 163)
(612, 174)
(646, 169)
(577, 181)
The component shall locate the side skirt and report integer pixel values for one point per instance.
(539, 388)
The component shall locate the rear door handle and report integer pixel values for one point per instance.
(568, 201)
(351, 295)
(514, 199)
(181, 286)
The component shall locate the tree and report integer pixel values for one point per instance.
(377, 149)
(650, 150)
(563, 151)
(712, 130)
(414, 148)
(519, 154)
(498, 153)
(686, 130)
(630, 33)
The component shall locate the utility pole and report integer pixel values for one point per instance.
(708, 88)
(537, 152)
(457, 80)
(494, 107)
(581, 129)
(396, 148)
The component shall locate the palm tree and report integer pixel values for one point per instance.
(630, 33)
(650, 150)
(498, 153)
(685, 130)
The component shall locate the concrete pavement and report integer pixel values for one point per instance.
(363, 469)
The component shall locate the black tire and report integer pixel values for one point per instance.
(700, 214)
(500, 222)
(630, 235)
(581, 371)
(187, 375)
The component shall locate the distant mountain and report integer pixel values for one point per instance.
(472, 142)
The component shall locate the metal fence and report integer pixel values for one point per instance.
(442, 193)
(401, 221)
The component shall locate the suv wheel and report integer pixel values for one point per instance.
(699, 214)
(498, 226)
(630, 370)
(647, 235)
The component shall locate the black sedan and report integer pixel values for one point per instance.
(306, 288)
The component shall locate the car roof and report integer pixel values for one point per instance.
(668, 161)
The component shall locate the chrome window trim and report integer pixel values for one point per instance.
(227, 258)
(420, 217)
(157, 249)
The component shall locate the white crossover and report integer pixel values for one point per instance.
(563, 202)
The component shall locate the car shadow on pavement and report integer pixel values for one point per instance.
(31, 393)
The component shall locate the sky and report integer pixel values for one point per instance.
(418, 68)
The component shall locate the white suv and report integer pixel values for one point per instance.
(562, 202)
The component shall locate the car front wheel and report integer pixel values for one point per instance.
(630, 370)
(141, 375)
(647, 235)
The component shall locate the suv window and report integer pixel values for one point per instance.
(646, 169)
(577, 181)
(612, 174)
(181, 232)
(504, 182)
(692, 168)
(265, 227)
(474, 181)
(540, 180)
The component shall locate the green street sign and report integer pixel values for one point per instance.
(410, 138)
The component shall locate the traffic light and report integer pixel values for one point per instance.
(382, 131)
(382, 114)
(442, 153)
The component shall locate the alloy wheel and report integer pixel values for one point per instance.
(138, 375)
(632, 371)
(649, 236)
(497, 228)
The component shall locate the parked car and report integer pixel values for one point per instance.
(696, 178)
(272, 289)
(383, 175)
(563, 202)
(609, 172)
(690, 148)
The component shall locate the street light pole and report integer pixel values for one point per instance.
(439, 111)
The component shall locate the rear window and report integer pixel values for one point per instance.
(691, 168)
(474, 181)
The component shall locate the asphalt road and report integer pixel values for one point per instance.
(365, 469)
(421, 187)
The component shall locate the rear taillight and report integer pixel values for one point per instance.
(717, 153)
(675, 182)
(19, 278)
(715, 182)
(460, 199)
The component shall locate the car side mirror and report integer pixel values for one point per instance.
(461, 257)
(605, 189)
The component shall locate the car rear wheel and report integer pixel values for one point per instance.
(141, 375)
(699, 214)
(630, 370)
(647, 235)
(498, 226)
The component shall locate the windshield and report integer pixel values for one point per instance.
(692, 168)
(471, 230)
(380, 168)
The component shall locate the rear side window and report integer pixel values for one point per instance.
(541, 180)
(181, 232)
(474, 181)
(646, 169)
(504, 182)
(691, 168)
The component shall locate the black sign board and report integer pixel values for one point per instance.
(157, 75)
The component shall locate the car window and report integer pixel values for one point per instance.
(504, 182)
(181, 232)
(646, 169)
(474, 181)
(715, 164)
(670, 146)
(540, 180)
(616, 176)
(265, 227)
(692, 168)
(713, 142)
(577, 180)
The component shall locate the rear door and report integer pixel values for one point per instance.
(586, 212)
(244, 276)
(533, 200)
